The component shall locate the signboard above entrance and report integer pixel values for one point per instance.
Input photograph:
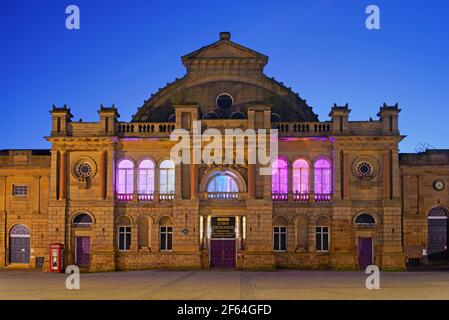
(223, 227)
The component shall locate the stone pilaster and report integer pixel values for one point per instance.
(3, 231)
(259, 252)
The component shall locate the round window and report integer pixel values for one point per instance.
(364, 169)
(224, 101)
(84, 169)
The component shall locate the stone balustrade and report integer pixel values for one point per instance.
(276, 197)
(143, 128)
(145, 197)
(124, 197)
(300, 197)
(303, 128)
(222, 195)
(166, 197)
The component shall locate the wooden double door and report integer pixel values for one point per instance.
(82, 251)
(437, 238)
(19, 249)
(223, 253)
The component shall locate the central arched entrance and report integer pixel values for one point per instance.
(223, 245)
(19, 244)
(223, 237)
(437, 239)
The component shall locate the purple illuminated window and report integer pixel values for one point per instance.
(146, 177)
(279, 177)
(222, 183)
(301, 176)
(167, 177)
(323, 179)
(125, 177)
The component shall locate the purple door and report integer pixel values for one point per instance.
(19, 250)
(222, 253)
(365, 252)
(82, 251)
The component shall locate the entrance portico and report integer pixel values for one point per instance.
(223, 237)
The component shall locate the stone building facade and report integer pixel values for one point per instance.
(340, 195)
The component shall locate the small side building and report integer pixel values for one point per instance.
(425, 203)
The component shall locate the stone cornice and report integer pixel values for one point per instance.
(84, 143)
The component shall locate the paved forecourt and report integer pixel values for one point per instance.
(155, 284)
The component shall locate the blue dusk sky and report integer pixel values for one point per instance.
(126, 50)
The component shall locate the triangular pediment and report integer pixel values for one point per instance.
(224, 49)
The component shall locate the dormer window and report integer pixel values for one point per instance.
(210, 115)
(237, 115)
(275, 117)
(224, 101)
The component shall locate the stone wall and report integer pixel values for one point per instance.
(31, 169)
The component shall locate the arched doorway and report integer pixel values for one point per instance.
(19, 244)
(81, 225)
(437, 239)
(365, 224)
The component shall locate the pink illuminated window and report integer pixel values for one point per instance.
(323, 178)
(125, 177)
(301, 176)
(279, 177)
(167, 177)
(146, 177)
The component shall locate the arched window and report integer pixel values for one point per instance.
(82, 219)
(365, 219)
(275, 117)
(279, 179)
(222, 187)
(172, 118)
(323, 178)
(145, 184)
(224, 101)
(222, 183)
(210, 115)
(237, 115)
(167, 177)
(125, 177)
(301, 176)
(20, 231)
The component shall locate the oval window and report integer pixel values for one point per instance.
(224, 101)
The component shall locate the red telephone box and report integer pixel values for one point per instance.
(56, 257)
